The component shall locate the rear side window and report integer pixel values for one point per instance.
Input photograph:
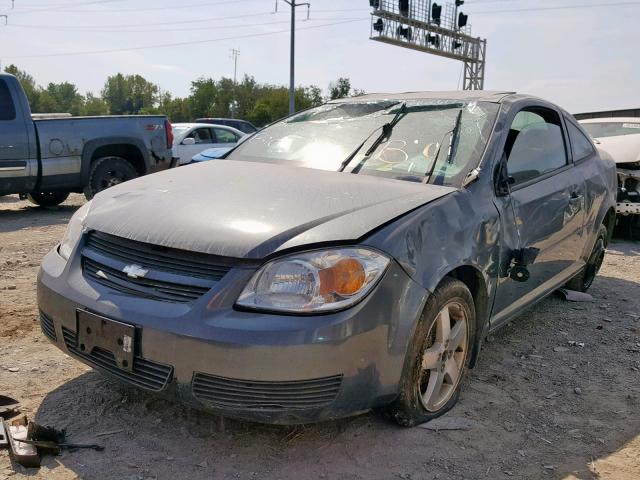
(7, 108)
(581, 145)
(244, 127)
(201, 135)
(535, 145)
(224, 136)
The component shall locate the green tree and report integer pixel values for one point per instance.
(28, 84)
(129, 94)
(94, 106)
(314, 95)
(341, 88)
(61, 98)
(203, 96)
(176, 109)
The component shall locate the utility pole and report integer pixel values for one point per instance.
(292, 60)
(235, 53)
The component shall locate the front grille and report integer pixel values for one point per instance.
(47, 326)
(141, 287)
(263, 395)
(172, 275)
(146, 374)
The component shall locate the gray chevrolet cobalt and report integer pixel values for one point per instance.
(350, 257)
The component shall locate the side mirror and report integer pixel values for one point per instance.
(502, 181)
(189, 141)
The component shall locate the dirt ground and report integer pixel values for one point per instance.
(541, 406)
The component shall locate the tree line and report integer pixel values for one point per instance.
(260, 103)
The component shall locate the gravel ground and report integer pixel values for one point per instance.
(539, 406)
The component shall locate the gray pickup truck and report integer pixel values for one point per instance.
(46, 159)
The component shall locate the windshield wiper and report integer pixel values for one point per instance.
(387, 129)
(455, 133)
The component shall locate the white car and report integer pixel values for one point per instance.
(620, 138)
(192, 138)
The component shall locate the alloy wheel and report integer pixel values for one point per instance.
(444, 359)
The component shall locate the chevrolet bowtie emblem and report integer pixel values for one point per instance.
(135, 271)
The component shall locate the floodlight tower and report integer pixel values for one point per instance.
(423, 25)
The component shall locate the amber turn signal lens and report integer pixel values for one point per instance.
(346, 277)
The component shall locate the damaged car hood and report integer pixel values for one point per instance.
(251, 210)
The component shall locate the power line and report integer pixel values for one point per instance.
(138, 25)
(60, 6)
(183, 29)
(179, 44)
(146, 9)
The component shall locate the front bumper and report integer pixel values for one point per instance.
(254, 366)
(628, 192)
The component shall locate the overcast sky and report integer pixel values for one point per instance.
(582, 58)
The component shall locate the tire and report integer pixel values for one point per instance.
(583, 280)
(420, 399)
(107, 172)
(47, 199)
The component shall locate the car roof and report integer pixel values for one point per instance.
(466, 95)
(612, 120)
(225, 119)
(191, 125)
(208, 125)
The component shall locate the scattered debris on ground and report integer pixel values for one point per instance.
(447, 422)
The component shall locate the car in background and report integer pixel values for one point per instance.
(192, 138)
(211, 154)
(242, 125)
(45, 157)
(620, 138)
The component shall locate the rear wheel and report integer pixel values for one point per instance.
(107, 172)
(585, 278)
(47, 199)
(438, 356)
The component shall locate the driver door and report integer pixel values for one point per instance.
(545, 208)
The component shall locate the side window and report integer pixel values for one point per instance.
(535, 145)
(581, 145)
(7, 108)
(201, 135)
(224, 136)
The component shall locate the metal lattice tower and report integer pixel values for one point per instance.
(412, 24)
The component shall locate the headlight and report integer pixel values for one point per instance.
(74, 231)
(318, 281)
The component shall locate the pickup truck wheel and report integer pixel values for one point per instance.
(438, 356)
(107, 172)
(585, 278)
(47, 199)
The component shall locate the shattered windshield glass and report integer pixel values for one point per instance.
(419, 144)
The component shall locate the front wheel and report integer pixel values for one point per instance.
(438, 355)
(47, 199)
(108, 172)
